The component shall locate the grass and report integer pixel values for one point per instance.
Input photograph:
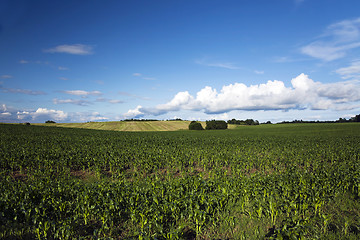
(309, 172)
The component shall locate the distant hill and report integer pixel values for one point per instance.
(134, 126)
(127, 125)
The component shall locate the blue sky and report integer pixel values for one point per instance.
(78, 61)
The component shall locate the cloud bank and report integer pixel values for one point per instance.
(42, 113)
(8, 114)
(273, 95)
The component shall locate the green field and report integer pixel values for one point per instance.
(289, 181)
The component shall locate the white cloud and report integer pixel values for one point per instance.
(259, 72)
(7, 114)
(63, 68)
(223, 65)
(22, 91)
(42, 114)
(113, 101)
(23, 61)
(327, 51)
(87, 116)
(273, 95)
(336, 41)
(76, 49)
(71, 101)
(141, 75)
(134, 112)
(82, 93)
(63, 78)
(149, 78)
(226, 65)
(6, 76)
(353, 71)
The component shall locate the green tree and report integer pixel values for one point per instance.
(195, 126)
(216, 124)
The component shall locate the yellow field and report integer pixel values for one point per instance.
(130, 125)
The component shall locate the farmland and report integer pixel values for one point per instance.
(288, 181)
(130, 126)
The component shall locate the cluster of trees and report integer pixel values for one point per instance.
(139, 120)
(210, 125)
(216, 124)
(353, 119)
(340, 120)
(50, 121)
(243, 122)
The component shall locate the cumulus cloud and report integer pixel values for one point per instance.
(352, 71)
(336, 41)
(8, 114)
(273, 95)
(76, 49)
(82, 93)
(5, 114)
(134, 112)
(42, 114)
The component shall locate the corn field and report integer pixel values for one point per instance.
(294, 181)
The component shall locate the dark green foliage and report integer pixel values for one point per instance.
(251, 122)
(356, 118)
(50, 121)
(140, 120)
(237, 122)
(195, 126)
(243, 122)
(176, 119)
(215, 124)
